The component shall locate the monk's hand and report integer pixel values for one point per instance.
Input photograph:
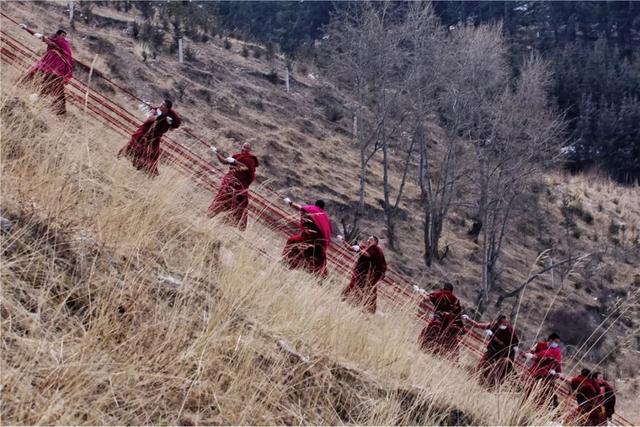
(169, 120)
(231, 160)
(528, 356)
(340, 237)
(214, 150)
(39, 36)
(355, 248)
(23, 26)
(465, 317)
(553, 372)
(488, 332)
(287, 201)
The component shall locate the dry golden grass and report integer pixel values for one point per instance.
(291, 130)
(122, 304)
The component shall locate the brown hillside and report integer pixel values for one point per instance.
(228, 99)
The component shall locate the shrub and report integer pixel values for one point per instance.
(272, 76)
(571, 208)
(189, 53)
(614, 228)
(257, 103)
(227, 43)
(333, 113)
(135, 30)
(257, 53)
(302, 68)
(245, 51)
(271, 50)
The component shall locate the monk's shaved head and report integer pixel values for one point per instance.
(447, 287)
(246, 146)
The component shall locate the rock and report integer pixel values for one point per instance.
(5, 225)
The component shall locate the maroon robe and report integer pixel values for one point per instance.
(497, 361)
(589, 411)
(144, 146)
(369, 269)
(545, 359)
(442, 334)
(608, 398)
(307, 250)
(53, 70)
(233, 196)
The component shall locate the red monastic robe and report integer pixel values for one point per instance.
(369, 269)
(545, 359)
(442, 334)
(144, 146)
(53, 71)
(307, 250)
(589, 411)
(233, 196)
(497, 361)
(608, 398)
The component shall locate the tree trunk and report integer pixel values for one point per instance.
(388, 209)
(363, 183)
(480, 219)
(428, 254)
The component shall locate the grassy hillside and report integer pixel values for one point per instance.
(108, 285)
(122, 305)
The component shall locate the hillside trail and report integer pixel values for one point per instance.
(396, 289)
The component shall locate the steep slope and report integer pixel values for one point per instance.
(228, 99)
(122, 305)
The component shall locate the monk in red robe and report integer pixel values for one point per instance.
(497, 361)
(144, 146)
(442, 335)
(369, 269)
(233, 196)
(307, 250)
(54, 69)
(608, 395)
(546, 358)
(589, 411)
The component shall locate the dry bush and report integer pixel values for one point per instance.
(123, 304)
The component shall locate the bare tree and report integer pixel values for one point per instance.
(434, 96)
(523, 136)
(365, 60)
(498, 131)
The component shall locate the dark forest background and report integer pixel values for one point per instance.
(592, 47)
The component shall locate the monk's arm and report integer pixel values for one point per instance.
(358, 248)
(150, 119)
(27, 29)
(478, 325)
(52, 44)
(221, 159)
(240, 166)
